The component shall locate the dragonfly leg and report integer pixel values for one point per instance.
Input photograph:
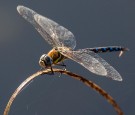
(51, 72)
(63, 65)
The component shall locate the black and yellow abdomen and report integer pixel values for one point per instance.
(56, 56)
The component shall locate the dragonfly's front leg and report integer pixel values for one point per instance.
(52, 72)
(49, 73)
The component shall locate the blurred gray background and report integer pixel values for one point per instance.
(94, 23)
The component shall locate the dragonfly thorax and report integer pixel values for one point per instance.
(45, 61)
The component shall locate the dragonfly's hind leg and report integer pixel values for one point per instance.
(63, 65)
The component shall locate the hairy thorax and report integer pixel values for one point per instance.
(56, 56)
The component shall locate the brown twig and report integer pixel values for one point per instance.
(78, 77)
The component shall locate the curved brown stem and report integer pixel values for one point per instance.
(73, 75)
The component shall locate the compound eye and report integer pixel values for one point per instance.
(48, 60)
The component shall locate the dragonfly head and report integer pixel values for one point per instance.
(45, 61)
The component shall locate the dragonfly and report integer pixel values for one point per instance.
(63, 44)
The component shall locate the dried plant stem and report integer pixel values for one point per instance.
(78, 77)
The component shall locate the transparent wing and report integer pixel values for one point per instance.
(52, 32)
(92, 62)
(28, 14)
(61, 36)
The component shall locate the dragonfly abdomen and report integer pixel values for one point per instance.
(108, 49)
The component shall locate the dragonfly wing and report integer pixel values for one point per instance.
(93, 63)
(60, 35)
(28, 14)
